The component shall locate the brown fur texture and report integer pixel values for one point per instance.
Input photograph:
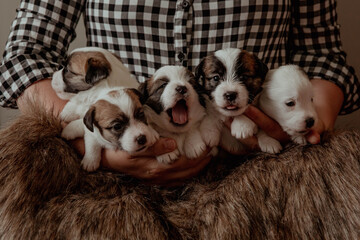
(310, 192)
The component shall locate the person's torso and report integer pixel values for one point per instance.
(149, 34)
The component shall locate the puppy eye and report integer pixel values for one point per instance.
(312, 99)
(216, 78)
(162, 86)
(118, 126)
(140, 115)
(244, 77)
(290, 104)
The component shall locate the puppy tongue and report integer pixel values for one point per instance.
(179, 113)
(231, 107)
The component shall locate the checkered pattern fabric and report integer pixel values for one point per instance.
(149, 34)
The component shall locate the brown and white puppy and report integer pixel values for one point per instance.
(287, 97)
(176, 110)
(85, 67)
(86, 71)
(115, 120)
(232, 78)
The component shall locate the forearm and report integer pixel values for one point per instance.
(328, 100)
(43, 94)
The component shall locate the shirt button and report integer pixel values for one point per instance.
(185, 4)
(181, 56)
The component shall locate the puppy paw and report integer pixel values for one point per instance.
(154, 136)
(269, 144)
(301, 140)
(73, 130)
(214, 152)
(211, 138)
(210, 132)
(195, 150)
(68, 117)
(168, 158)
(90, 164)
(242, 127)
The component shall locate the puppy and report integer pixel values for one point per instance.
(115, 120)
(176, 110)
(232, 78)
(85, 71)
(287, 97)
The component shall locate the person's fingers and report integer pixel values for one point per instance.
(228, 122)
(250, 144)
(267, 124)
(313, 137)
(180, 164)
(162, 146)
(172, 178)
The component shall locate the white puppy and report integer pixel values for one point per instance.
(115, 120)
(232, 78)
(86, 71)
(287, 97)
(176, 110)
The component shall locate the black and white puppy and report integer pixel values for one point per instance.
(176, 110)
(232, 78)
(287, 97)
(86, 71)
(115, 120)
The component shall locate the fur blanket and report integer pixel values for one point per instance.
(310, 192)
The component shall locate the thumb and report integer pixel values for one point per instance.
(313, 137)
(162, 146)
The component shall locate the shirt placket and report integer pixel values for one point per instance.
(180, 31)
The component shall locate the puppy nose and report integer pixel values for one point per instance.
(141, 140)
(309, 122)
(230, 96)
(181, 89)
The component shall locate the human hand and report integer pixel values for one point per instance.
(328, 99)
(145, 166)
(264, 122)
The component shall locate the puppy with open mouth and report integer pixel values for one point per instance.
(287, 97)
(116, 120)
(232, 78)
(176, 110)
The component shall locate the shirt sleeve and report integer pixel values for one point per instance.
(317, 48)
(38, 41)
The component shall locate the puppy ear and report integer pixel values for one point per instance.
(199, 74)
(199, 89)
(137, 93)
(96, 71)
(255, 84)
(89, 118)
(262, 68)
(143, 90)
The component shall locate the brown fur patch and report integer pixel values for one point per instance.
(114, 94)
(106, 114)
(134, 96)
(79, 61)
(306, 192)
(249, 62)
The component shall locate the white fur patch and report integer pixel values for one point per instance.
(189, 137)
(287, 97)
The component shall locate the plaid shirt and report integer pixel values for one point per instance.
(149, 34)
